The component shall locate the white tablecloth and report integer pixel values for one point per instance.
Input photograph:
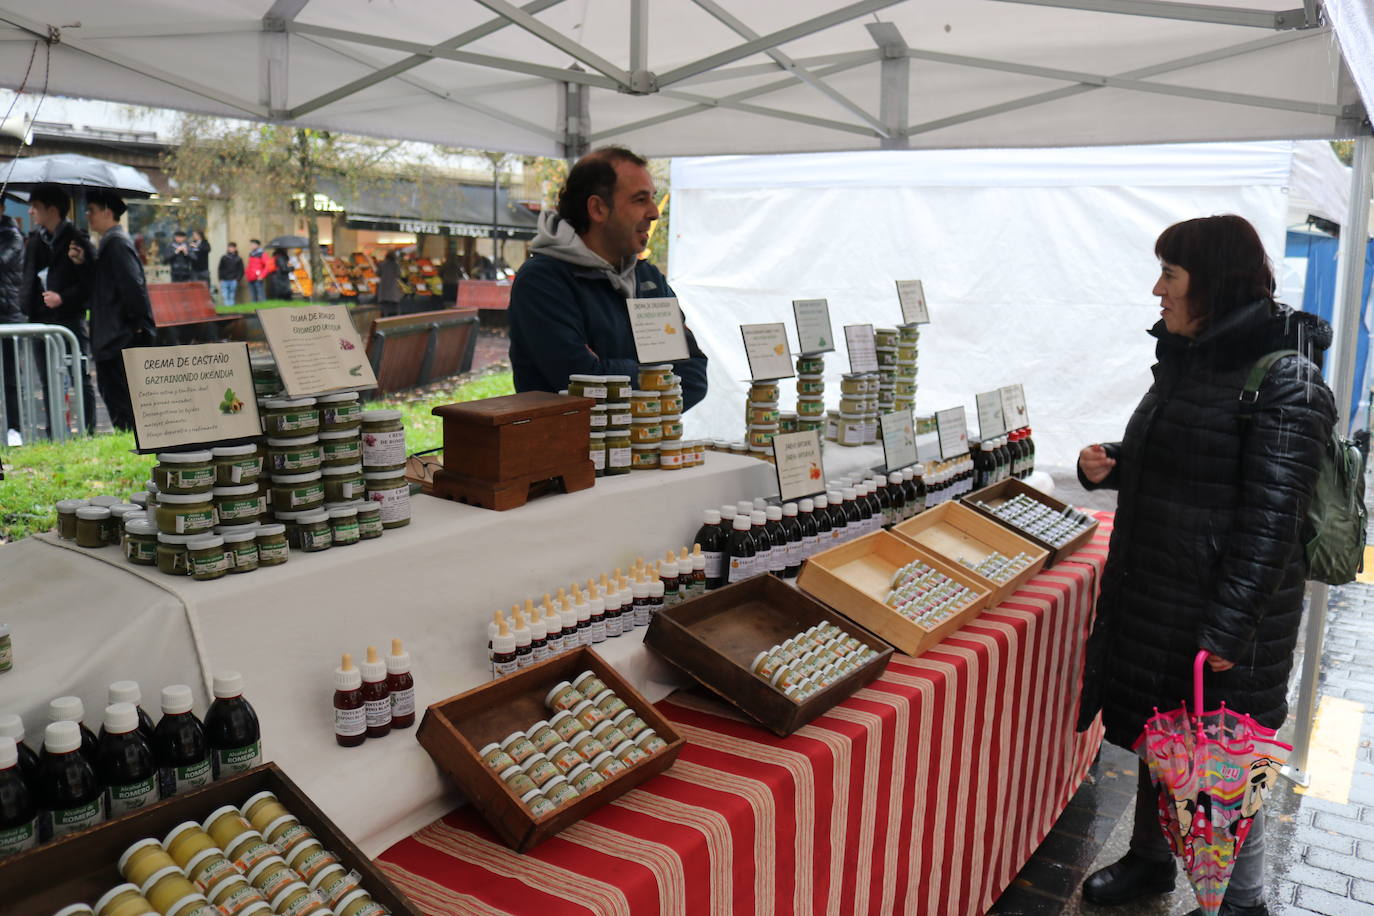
(80, 623)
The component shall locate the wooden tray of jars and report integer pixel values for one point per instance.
(1009, 489)
(956, 532)
(854, 578)
(453, 730)
(716, 637)
(81, 867)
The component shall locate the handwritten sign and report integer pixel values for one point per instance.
(952, 425)
(863, 353)
(813, 326)
(317, 350)
(765, 345)
(990, 419)
(1014, 407)
(798, 462)
(191, 395)
(912, 295)
(660, 334)
(899, 439)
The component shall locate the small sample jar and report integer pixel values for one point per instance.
(495, 757)
(810, 407)
(597, 451)
(609, 703)
(588, 684)
(850, 430)
(298, 455)
(587, 747)
(140, 542)
(343, 524)
(672, 427)
(609, 735)
(369, 521)
(309, 857)
(209, 867)
(608, 765)
(314, 531)
(359, 903)
(563, 756)
(853, 404)
(619, 454)
(584, 778)
(146, 858)
(184, 472)
(266, 379)
(854, 383)
(589, 715)
(237, 505)
(536, 802)
(234, 895)
(270, 540)
(540, 769)
(340, 447)
(66, 517)
(340, 411)
(518, 745)
(122, 900)
(225, 825)
(908, 333)
(618, 388)
(343, 483)
(763, 412)
(283, 418)
(262, 809)
(518, 781)
(645, 404)
(91, 522)
(190, 905)
(587, 386)
(906, 353)
(334, 883)
(763, 392)
(787, 422)
(905, 389)
(560, 791)
(670, 457)
(236, 464)
(297, 492)
(619, 415)
(650, 742)
(206, 559)
(810, 384)
(646, 430)
(887, 357)
(761, 435)
(629, 723)
(185, 513)
(884, 337)
(248, 849)
(644, 457)
(598, 418)
(629, 753)
(563, 696)
(689, 454)
(810, 365)
(389, 490)
(672, 400)
(167, 886)
(567, 726)
(655, 378)
(241, 550)
(293, 900)
(285, 830)
(384, 439)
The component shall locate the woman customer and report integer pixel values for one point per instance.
(1207, 549)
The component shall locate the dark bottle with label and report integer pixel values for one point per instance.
(1028, 446)
(916, 490)
(125, 764)
(1007, 453)
(69, 797)
(792, 529)
(1020, 453)
(763, 544)
(179, 744)
(839, 520)
(129, 692)
(11, 726)
(778, 552)
(377, 699)
(71, 709)
(896, 495)
(853, 515)
(808, 518)
(884, 497)
(985, 465)
(350, 717)
(875, 503)
(231, 726)
(18, 808)
(402, 685)
(739, 551)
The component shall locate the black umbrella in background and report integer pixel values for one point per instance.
(289, 241)
(75, 172)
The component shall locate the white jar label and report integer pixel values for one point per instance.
(384, 449)
(594, 392)
(741, 568)
(395, 503)
(621, 420)
(715, 561)
(350, 723)
(598, 459)
(618, 457)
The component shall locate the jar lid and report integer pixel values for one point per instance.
(664, 367)
(645, 446)
(292, 888)
(180, 499)
(671, 416)
(367, 508)
(646, 420)
(235, 537)
(183, 457)
(69, 506)
(676, 389)
(167, 842)
(380, 416)
(140, 526)
(337, 398)
(385, 475)
(617, 378)
(93, 512)
(287, 403)
(161, 873)
(228, 451)
(147, 844)
(598, 408)
(810, 397)
(271, 529)
(344, 512)
(311, 517)
(528, 797)
(205, 542)
(597, 434)
(586, 378)
(295, 478)
(246, 489)
(617, 405)
(293, 518)
(599, 758)
(651, 395)
(766, 427)
(338, 434)
(340, 471)
(577, 771)
(293, 442)
(75, 909)
(113, 893)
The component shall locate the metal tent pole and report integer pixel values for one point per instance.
(1345, 320)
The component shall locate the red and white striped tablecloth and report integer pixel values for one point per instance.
(923, 793)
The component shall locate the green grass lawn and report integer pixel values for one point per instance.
(38, 475)
(249, 308)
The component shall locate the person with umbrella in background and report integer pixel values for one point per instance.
(11, 312)
(179, 259)
(1207, 549)
(200, 257)
(55, 288)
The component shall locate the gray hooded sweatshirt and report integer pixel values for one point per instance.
(557, 239)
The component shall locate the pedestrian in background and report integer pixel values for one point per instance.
(11, 312)
(230, 273)
(389, 285)
(178, 259)
(279, 281)
(259, 266)
(200, 258)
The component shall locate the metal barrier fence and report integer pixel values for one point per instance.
(42, 358)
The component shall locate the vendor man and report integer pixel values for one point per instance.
(567, 305)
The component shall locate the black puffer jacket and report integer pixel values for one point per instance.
(69, 280)
(11, 273)
(1207, 546)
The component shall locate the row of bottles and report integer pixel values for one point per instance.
(80, 779)
(374, 697)
(1004, 457)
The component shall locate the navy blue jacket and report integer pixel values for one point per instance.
(567, 320)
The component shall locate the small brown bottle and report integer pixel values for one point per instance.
(376, 696)
(350, 714)
(401, 686)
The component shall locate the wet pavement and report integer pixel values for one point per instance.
(1319, 855)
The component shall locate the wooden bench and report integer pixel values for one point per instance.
(410, 350)
(484, 294)
(185, 306)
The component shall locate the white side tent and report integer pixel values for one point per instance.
(1037, 264)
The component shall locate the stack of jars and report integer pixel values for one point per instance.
(610, 420)
(904, 374)
(762, 419)
(885, 340)
(856, 422)
(810, 394)
(655, 435)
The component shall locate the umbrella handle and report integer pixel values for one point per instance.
(1199, 663)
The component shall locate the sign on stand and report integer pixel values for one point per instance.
(990, 418)
(1014, 407)
(192, 395)
(813, 326)
(863, 352)
(912, 295)
(317, 350)
(660, 335)
(797, 457)
(899, 439)
(766, 347)
(952, 425)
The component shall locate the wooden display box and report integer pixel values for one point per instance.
(81, 867)
(953, 531)
(716, 637)
(453, 730)
(1008, 490)
(496, 449)
(854, 578)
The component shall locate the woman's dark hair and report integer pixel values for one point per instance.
(592, 176)
(1225, 260)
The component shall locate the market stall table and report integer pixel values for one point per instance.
(925, 792)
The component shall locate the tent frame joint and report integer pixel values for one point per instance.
(641, 82)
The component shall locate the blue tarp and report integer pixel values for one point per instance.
(1319, 295)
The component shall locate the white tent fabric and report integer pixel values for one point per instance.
(1321, 184)
(692, 77)
(1037, 264)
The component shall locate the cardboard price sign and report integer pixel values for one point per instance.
(317, 350)
(813, 326)
(766, 347)
(952, 425)
(990, 419)
(1013, 407)
(912, 296)
(863, 352)
(660, 333)
(899, 439)
(798, 463)
(193, 395)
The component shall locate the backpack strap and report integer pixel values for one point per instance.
(1250, 393)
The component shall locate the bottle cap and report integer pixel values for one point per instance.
(398, 662)
(125, 692)
(918, 470)
(744, 507)
(504, 640)
(538, 629)
(698, 558)
(820, 502)
(228, 684)
(176, 698)
(757, 518)
(9, 752)
(727, 511)
(848, 494)
(760, 503)
(11, 726)
(789, 510)
(120, 718)
(773, 513)
(61, 737)
(711, 516)
(741, 523)
(347, 677)
(374, 669)
(834, 496)
(985, 446)
(66, 709)
(895, 477)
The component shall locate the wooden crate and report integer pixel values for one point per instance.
(1009, 489)
(453, 731)
(81, 867)
(855, 577)
(716, 637)
(953, 531)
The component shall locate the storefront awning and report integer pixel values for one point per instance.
(431, 207)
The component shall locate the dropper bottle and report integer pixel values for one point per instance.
(503, 659)
(596, 616)
(553, 628)
(539, 646)
(667, 571)
(523, 654)
(614, 615)
(639, 587)
(401, 685)
(698, 571)
(350, 716)
(655, 585)
(572, 636)
(376, 696)
(684, 576)
(492, 629)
